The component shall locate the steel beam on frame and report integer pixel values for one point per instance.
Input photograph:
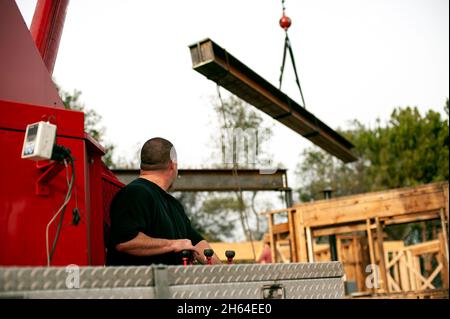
(196, 180)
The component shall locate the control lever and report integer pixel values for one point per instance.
(208, 254)
(186, 255)
(230, 255)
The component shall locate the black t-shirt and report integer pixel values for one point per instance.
(142, 206)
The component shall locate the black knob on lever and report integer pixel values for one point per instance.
(186, 255)
(230, 254)
(208, 254)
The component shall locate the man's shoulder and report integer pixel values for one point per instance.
(137, 188)
(175, 201)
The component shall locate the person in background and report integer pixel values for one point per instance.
(266, 254)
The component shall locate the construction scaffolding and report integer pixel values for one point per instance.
(359, 223)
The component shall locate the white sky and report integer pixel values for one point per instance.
(356, 59)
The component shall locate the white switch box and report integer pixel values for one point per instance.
(39, 141)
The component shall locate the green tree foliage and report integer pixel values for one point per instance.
(91, 122)
(233, 114)
(218, 215)
(411, 149)
(210, 214)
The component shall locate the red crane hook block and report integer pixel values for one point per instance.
(285, 22)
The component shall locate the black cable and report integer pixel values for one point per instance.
(288, 47)
(295, 68)
(283, 63)
(76, 217)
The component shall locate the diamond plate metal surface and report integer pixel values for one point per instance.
(315, 280)
(106, 293)
(250, 273)
(327, 288)
(54, 278)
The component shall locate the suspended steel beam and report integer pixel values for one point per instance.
(221, 67)
(218, 180)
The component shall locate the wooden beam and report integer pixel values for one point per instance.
(393, 245)
(381, 254)
(276, 211)
(283, 250)
(392, 284)
(411, 218)
(411, 272)
(272, 238)
(370, 242)
(310, 244)
(384, 205)
(338, 230)
(301, 237)
(357, 249)
(429, 280)
(444, 224)
(404, 272)
(339, 249)
(394, 220)
(280, 228)
(446, 199)
(428, 247)
(292, 235)
(396, 272)
(395, 259)
(443, 259)
(359, 199)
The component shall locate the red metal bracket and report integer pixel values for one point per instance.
(50, 170)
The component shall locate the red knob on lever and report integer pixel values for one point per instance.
(230, 255)
(186, 255)
(208, 254)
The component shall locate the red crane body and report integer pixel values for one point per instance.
(31, 192)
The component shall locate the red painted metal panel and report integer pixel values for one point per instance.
(110, 186)
(16, 116)
(23, 76)
(24, 214)
(95, 217)
(28, 95)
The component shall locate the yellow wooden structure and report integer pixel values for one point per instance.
(244, 250)
(359, 221)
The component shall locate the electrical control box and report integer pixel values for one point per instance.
(39, 141)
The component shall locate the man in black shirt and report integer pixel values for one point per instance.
(148, 225)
